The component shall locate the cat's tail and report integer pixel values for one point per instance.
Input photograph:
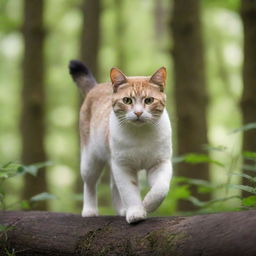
(82, 76)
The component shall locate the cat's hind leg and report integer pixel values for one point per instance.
(159, 178)
(116, 199)
(91, 168)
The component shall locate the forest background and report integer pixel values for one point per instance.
(208, 47)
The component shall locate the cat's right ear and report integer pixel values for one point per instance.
(117, 78)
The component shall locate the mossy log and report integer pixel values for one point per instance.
(48, 233)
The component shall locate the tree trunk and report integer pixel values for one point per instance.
(120, 34)
(90, 42)
(248, 103)
(91, 35)
(33, 98)
(189, 90)
(45, 233)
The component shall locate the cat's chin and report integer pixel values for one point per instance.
(138, 122)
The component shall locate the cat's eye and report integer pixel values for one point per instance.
(149, 100)
(127, 100)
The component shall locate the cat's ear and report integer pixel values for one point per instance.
(159, 78)
(117, 78)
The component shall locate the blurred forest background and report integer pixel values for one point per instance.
(209, 49)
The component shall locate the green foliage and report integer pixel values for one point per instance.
(249, 155)
(193, 158)
(228, 4)
(249, 201)
(32, 169)
(10, 170)
(245, 128)
(204, 186)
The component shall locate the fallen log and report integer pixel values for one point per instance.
(48, 233)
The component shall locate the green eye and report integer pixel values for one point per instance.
(127, 100)
(149, 100)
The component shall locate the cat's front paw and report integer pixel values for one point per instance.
(89, 213)
(135, 214)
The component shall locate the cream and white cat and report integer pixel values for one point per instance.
(124, 124)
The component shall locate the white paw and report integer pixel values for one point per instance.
(135, 214)
(89, 212)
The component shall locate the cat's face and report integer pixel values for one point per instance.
(138, 100)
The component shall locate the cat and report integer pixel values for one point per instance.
(124, 123)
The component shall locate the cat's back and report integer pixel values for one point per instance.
(101, 93)
(94, 113)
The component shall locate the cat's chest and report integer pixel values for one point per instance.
(140, 152)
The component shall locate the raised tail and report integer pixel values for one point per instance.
(82, 76)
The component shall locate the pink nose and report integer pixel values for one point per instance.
(138, 114)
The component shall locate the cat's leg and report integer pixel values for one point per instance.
(116, 199)
(159, 178)
(91, 168)
(127, 183)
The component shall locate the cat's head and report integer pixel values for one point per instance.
(138, 100)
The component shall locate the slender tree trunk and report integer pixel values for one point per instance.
(248, 103)
(33, 98)
(46, 233)
(91, 35)
(120, 34)
(90, 43)
(190, 89)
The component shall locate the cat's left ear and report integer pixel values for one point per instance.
(117, 78)
(159, 78)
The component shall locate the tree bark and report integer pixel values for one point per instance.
(189, 90)
(120, 26)
(248, 102)
(90, 43)
(91, 35)
(45, 233)
(33, 98)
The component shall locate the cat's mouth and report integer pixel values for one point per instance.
(138, 121)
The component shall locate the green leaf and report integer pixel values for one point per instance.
(199, 182)
(249, 168)
(4, 228)
(25, 205)
(246, 176)
(249, 201)
(177, 159)
(182, 192)
(249, 155)
(201, 204)
(216, 148)
(42, 197)
(200, 158)
(3, 175)
(243, 187)
(244, 128)
(204, 190)
(32, 169)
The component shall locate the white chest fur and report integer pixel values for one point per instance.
(140, 147)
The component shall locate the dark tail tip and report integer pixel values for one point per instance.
(77, 68)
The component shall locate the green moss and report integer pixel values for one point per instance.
(163, 243)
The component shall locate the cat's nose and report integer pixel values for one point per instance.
(138, 113)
